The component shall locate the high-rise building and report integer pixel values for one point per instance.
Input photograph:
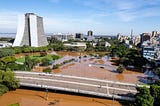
(132, 35)
(30, 31)
(78, 35)
(90, 33)
(154, 33)
(145, 37)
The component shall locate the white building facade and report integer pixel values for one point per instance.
(30, 31)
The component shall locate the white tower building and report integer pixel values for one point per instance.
(30, 31)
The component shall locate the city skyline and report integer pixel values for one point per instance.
(71, 16)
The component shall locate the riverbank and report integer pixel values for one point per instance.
(37, 98)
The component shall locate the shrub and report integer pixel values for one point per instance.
(6, 52)
(16, 104)
(56, 66)
(14, 66)
(17, 50)
(43, 54)
(55, 57)
(8, 59)
(3, 89)
(45, 62)
(47, 70)
(120, 68)
(27, 49)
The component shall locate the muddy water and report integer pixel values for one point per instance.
(37, 98)
(79, 68)
(82, 68)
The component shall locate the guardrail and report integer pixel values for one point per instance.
(77, 77)
(77, 91)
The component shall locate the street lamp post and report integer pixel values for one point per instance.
(113, 98)
(46, 94)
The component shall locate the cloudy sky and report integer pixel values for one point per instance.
(71, 16)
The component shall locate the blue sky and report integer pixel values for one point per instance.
(71, 16)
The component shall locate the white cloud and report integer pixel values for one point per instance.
(125, 10)
(8, 20)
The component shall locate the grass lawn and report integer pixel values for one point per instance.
(21, 59)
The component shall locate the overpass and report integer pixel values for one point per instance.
(83, 85)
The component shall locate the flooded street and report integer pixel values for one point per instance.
(83, 67)
(92, 67)
(86, 66)
(37, 98)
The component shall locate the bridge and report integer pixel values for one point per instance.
(82, 85)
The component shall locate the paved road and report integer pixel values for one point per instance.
(90, 85)
(105, 66)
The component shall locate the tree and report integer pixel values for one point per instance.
(10, 81)
(29, 63)
(7, 81)
(121, 68)
(45, 62)
(155, 92)
(157, 71)
(144, 98)
(89, 46)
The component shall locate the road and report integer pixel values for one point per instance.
(85, 85)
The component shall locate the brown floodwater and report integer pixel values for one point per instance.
(82, 68)
(37, 98)
(79, 68)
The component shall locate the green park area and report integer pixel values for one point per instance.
(38, 57)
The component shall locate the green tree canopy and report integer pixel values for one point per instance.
(144, 98)
(155, 92)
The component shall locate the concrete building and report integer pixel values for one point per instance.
(149, 52)
(90, 33)
(76, 44)
(154, 33)
(79, 36)
(30, 31)
(145, 37)
(4, 44)
(107, 44)
(63, 37)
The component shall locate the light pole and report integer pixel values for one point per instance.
(46, 94)
(113, 98)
